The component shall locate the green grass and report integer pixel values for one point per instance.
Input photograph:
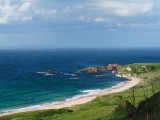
(102, 108)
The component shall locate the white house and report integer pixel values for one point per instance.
(128, 69)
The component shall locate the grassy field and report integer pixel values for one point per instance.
(110, 107)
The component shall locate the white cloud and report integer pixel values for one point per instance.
(24, 10)
(128, 8)
(91, 19)
(6, 11)
(85, 18)
(15, 12)
(98, 19)
(25, 6)
(93, 11)
(46, 13)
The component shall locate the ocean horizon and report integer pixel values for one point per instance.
(24, 82)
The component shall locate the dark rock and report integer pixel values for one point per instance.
(102, 68)
(51, 72)
(114, 67)
(88, 70)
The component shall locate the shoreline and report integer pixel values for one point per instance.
(131, 82)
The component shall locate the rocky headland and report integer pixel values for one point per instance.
(115, 68)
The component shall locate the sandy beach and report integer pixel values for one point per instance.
(132, 81)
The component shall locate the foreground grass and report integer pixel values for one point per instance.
(102, 108)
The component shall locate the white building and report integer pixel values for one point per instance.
(128, 69)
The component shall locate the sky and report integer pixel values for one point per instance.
(52, 24)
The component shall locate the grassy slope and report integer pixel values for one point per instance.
(153, 107)
(102, 108)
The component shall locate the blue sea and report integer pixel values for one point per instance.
(23, 83)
